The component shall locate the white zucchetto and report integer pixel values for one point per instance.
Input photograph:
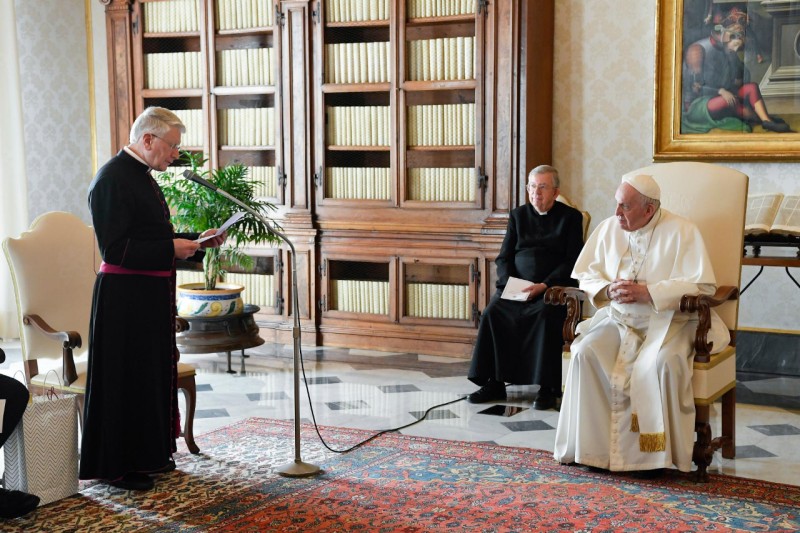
(643, 183)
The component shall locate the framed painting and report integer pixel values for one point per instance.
(727, 81)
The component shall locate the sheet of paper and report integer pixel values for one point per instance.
(513, 290)
(227, 224)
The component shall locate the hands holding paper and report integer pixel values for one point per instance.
(522, 290)
(210, 238)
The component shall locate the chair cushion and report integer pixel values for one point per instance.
(186, 370)
(52, 378)
(713, 379)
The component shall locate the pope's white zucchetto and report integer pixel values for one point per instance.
(643, 183)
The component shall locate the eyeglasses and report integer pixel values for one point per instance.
(541, 187)
(173, 146)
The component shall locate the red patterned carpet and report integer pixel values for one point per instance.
(409, 484)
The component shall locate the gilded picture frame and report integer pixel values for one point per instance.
(683, 29)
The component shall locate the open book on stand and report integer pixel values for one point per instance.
(775, 214)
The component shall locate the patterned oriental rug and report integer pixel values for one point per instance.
(408, 484)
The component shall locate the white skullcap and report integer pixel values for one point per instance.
(643, 183)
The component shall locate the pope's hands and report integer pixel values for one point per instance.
(625, 291)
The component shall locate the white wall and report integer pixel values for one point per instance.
(54, 75)
(603, 127)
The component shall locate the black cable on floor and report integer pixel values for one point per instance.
(376, 435)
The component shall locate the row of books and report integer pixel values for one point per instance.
(775, 213)
(359, 296)
(362, 183)
(441, 125)
(449, 58)
(267, 186)
(247, 126)
(259, 289)
(193, 120)
(172, 16)
(441, 184)
(356, 10)
(439, 8)
(175, 70)
(358, 126)
(241, 14)
(434, 300)
(357, 62)
(248, 66)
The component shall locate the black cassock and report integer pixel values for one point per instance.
(520, 342)
(131, 416)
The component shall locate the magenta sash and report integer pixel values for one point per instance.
(105, 268)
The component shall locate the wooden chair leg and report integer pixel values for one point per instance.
(729, 424)
(187, 385)
(702, 452)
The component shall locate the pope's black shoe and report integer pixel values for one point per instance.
(494, 391)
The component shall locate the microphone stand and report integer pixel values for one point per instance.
(296, 468)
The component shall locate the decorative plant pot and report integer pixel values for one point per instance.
(195, 301)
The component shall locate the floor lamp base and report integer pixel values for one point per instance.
(298, 469)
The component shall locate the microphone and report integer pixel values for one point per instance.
(191, 176)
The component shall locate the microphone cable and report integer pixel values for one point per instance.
(376, 435)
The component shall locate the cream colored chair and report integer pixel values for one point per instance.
(53, 268)
(714, 197)
(587, 218)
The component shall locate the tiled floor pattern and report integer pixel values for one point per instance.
(380, 390)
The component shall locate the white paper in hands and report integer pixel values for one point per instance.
(227, 224)
(514, 289)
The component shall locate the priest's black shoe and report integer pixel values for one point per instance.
(133, 481)
(169, 467)
(546, 399)
(494, 391)
(15, 503)
(655, 473)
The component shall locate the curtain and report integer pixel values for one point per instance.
(13, 176)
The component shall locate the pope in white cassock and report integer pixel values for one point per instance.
(628, 402)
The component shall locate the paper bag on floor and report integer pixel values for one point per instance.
(41, 456)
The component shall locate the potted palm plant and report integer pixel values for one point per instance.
(196, 209)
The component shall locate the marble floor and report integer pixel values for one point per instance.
(380, 390)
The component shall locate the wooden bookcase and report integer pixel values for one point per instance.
(400, 138)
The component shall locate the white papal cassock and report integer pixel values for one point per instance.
(628, 402)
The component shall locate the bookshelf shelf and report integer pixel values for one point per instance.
(442, 85)
(171, 93)
(355, 87)
(246, 31)
(225, 90)
(171, 35)
(436, 21)
(336, 148)
(359, 24)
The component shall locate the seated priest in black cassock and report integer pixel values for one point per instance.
(131, 415)
(520, 341)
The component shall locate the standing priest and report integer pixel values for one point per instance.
(131, 411)
(520, 342)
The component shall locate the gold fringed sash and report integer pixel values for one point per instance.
(653, 442)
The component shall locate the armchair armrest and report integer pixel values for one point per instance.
(702, 304)
(572, 297)
(69, 340)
